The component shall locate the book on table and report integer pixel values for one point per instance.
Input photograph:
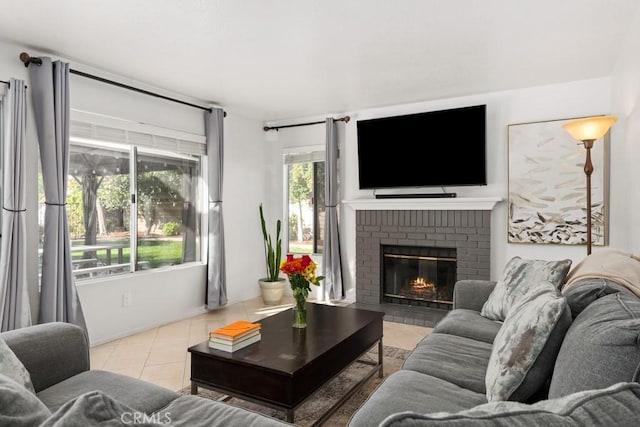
(234, 336)
(235, 331)
(228, 345)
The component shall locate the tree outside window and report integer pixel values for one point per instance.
(306, 206)
(100, 202)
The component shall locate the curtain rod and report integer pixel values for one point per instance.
(268, 128)
(27, 60)
(9, 84)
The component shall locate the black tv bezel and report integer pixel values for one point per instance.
(484, 181)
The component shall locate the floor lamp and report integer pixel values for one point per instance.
(588, 130)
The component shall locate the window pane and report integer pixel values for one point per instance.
(306, 207)
(98, 210)
(168, 220)
(301, 207)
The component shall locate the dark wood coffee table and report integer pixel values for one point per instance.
(287, 365)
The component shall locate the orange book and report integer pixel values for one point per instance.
(235, 330)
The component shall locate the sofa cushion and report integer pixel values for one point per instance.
(195, 411)
(468, 324)
(585, 291)
(140, 395)
(601, 347)
(534, 328)
(96, 408)
(461, 361)
(11, 366)
(521, 276)
(618, 406)
(19, 406)
(412, 391)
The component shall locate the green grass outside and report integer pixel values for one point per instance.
(300, 249)
(157, 252)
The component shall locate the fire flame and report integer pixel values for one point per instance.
(420, 284)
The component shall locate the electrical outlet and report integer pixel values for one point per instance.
(126, 299)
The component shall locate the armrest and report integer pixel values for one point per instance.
(51, 352)
(472, 294)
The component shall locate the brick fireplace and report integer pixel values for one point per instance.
(465, 232)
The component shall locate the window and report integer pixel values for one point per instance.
(130, 207)
(306, 206)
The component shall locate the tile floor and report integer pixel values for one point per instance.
(160, 355)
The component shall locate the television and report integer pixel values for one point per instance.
(430, 149)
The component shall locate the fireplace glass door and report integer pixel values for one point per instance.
(418, 275)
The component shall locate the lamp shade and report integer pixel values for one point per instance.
(589, 128)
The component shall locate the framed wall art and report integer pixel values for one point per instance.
(547, 186)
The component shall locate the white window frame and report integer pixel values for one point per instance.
(308, 153)
(195, 146)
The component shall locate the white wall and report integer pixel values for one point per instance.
(552, 102)
(626, 132)
(253, 174)
(163, 295)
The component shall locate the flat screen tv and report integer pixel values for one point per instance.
(435, 148)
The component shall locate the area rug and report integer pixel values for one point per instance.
(318, 403)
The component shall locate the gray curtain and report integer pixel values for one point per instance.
(332, 265)
(216, 271)
(14, 297)
(59, 300)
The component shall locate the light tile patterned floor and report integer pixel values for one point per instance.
(160, 355)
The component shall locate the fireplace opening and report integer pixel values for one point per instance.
(418, 275)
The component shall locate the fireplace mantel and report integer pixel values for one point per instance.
(424, 204)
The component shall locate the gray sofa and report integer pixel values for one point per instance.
(590, 377)
(68, 393)
(446, 371)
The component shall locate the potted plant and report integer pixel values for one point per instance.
(271, 286)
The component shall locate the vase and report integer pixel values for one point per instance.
(300, 314)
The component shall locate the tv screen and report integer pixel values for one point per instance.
(436, 148)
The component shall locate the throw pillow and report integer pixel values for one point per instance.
(618, 405)
(11, 366)
(521, 276)
(525, 333)
(601, 347)
(18, 406)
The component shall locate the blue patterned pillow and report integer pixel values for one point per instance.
(520, 277)
(533, 329)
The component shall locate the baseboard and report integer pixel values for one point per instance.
(187, 315)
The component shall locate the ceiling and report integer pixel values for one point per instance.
(286, 59)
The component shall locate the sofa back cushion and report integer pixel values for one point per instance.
(54, 344)
(585, 291)
(519, 278)
(526, 346)
(601, 347)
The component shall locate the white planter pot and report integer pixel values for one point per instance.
(272, 291)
